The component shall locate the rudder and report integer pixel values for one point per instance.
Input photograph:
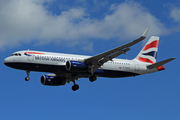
(149, 52)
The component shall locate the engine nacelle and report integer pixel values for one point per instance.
(52, 80)
(76, 66)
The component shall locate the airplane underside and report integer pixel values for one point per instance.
(60, 70)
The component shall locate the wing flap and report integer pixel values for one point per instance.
(110, 57)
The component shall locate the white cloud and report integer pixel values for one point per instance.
(175, 14)
(23, 21)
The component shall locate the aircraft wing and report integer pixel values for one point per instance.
(96, 61)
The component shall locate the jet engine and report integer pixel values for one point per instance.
(76, 66)
(52, 80)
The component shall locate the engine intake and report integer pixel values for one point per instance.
(52, 80)
(76, 66)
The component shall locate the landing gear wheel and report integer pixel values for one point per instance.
(75, 87)
(92, 78)
(27, 79)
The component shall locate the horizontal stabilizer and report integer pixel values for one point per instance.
(160, 63)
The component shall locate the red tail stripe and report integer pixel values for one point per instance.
(153, 44)
(145, 60)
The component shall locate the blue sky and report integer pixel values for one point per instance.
(89, 28)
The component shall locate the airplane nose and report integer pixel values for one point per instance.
(6, 61)
(9, 61)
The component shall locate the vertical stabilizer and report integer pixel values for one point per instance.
(149, 52)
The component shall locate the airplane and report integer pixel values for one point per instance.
(67, 68)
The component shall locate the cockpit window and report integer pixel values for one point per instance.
(16, 54)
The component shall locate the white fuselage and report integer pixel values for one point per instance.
(56, 63)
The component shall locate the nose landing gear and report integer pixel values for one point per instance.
(27, 78)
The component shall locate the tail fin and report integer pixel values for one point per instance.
(149, 52)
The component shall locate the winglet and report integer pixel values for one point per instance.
(145, 32)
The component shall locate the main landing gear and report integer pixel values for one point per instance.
(27, 78)
(92, 78)
(75, 86)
